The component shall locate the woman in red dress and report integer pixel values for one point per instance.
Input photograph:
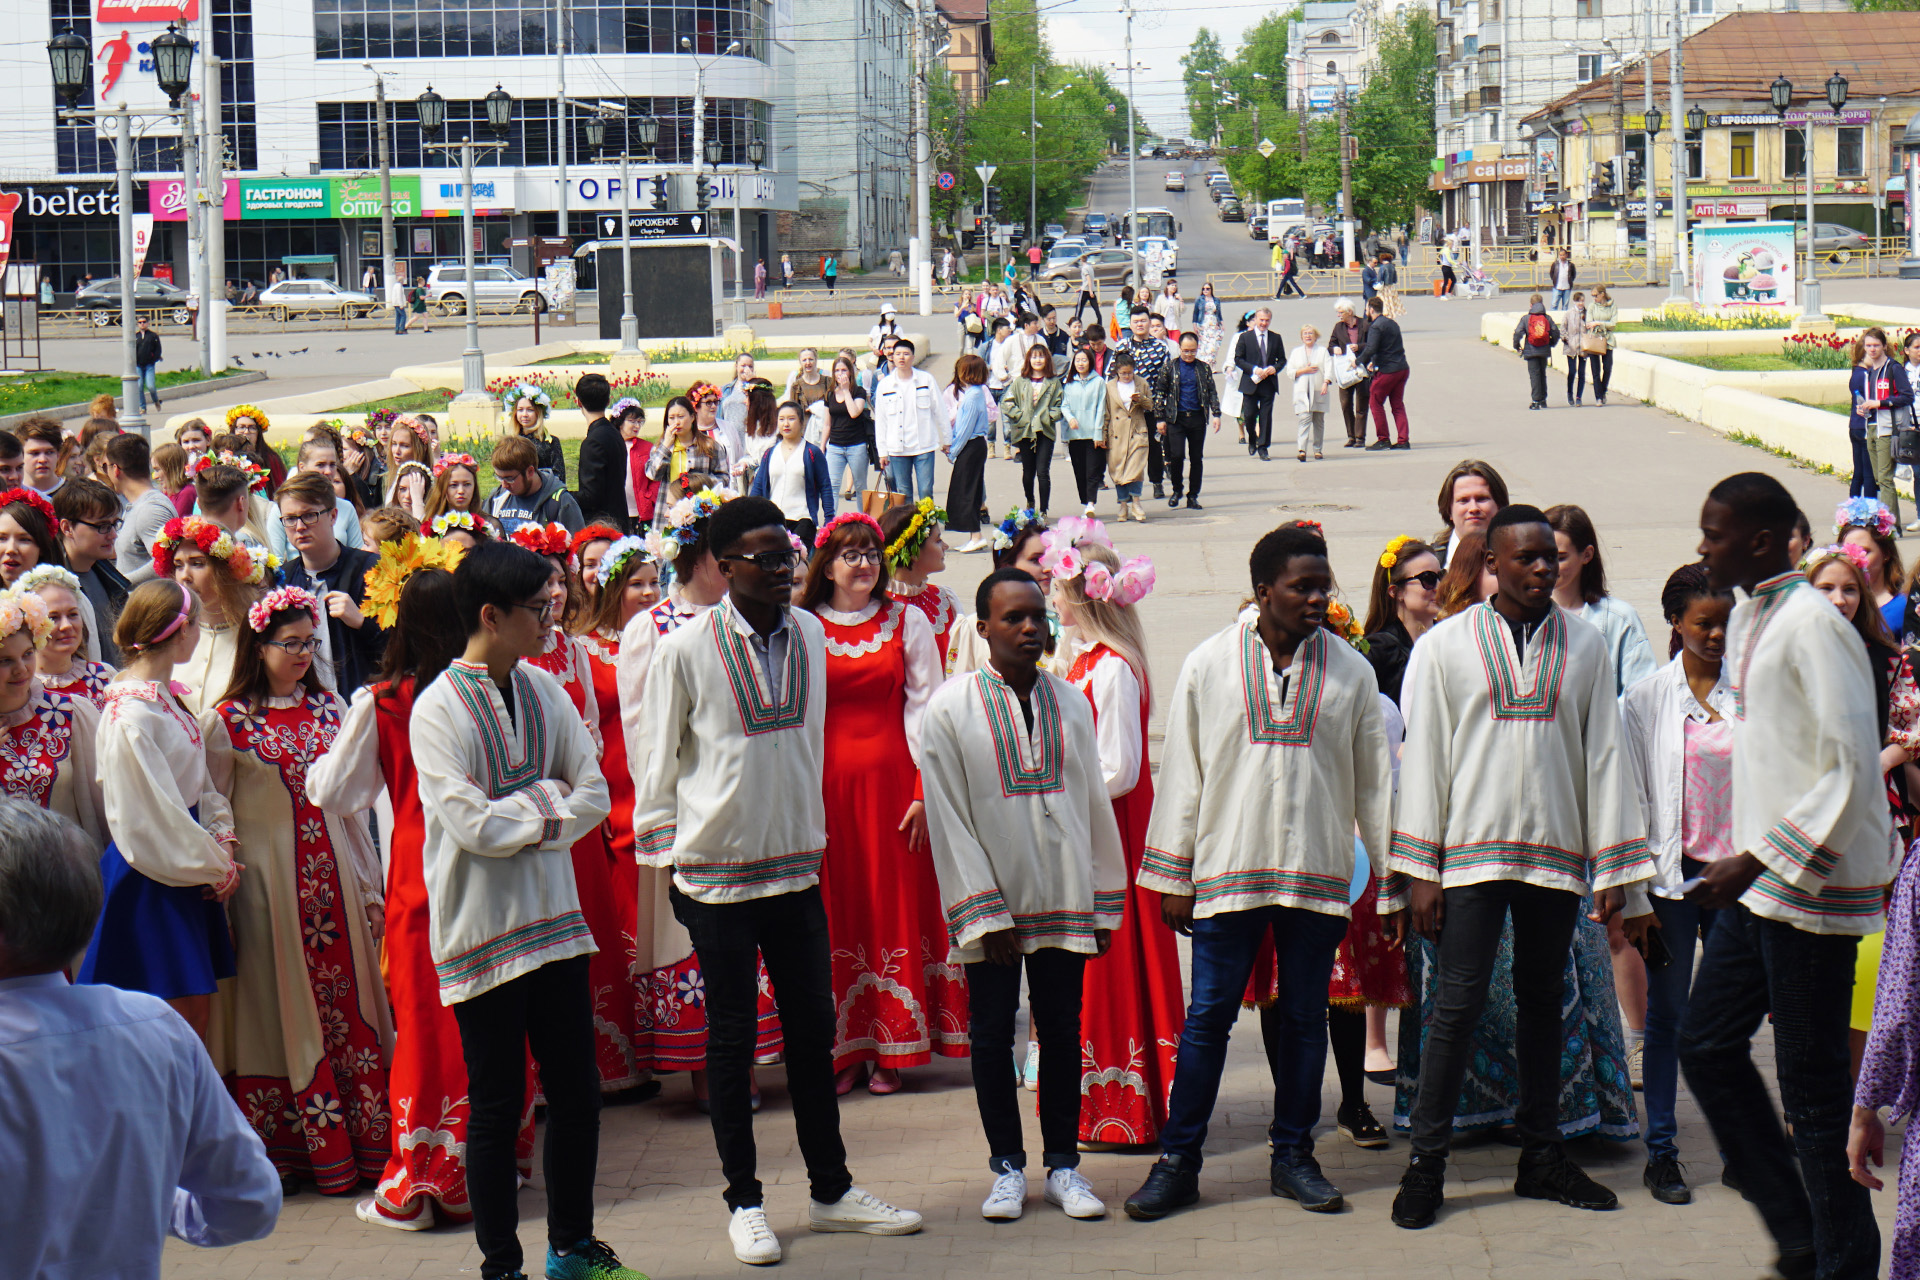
(1130, 1026)
(62, 661)
(915, 552)
(427, 1078)
(897, 1000)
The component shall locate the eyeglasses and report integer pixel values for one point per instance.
(102, 526)
(854, 557)
(1428, 580)
(767, 561)
(300, 520)
(542, 611)
(297, 648)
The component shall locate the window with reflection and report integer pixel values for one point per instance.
(362, 29)
(347, 141)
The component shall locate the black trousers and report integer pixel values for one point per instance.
(788, 931)
(1087, 466)
(1543, 922)
(993, 990)
(1537, 379)
(1156, 457)
(1036, 469)
(1256, 414)
(1087, 299)
(1186, 440)
(549, 1011)
(1602, 373)
(967, 487)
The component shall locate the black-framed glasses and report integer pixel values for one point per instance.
(297, 647)
(767, 561)
(302, 519)
(108, 527)
(854, 557)
(1430, 580)
(543, 611)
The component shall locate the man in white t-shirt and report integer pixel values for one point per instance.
(907, 426)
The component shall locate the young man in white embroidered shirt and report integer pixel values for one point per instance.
(508, 780)
(1275, 754)
(728, 795)
(1515, 796)
(1814, 851)
(1031, 871)
(908, 422)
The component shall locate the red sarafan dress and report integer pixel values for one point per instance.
(1131, 1018)
(427, 1078)
(83, 679)
(609, 910)
(940, 606)
(897, 1001)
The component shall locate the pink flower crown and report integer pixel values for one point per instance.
(1130, 585)
(446, 460)
(1856, 555)
(260, 617)
(848, 517)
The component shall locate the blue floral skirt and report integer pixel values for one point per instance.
(166, 940)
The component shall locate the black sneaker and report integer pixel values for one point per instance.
(1159, 491)
(1359, 1126)
(1420, 1193)
(1795, 1264)
(1193, 504)
(1296, 1176)
(1551, 1176)
(1404, 444)
(1170, 1185)
(1264, 457)
(1667, 1181)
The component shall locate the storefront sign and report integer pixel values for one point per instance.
(9, 201)
(123, 35)
(284, 197)
(1768, 119)
(1460, 171)
(444, 195)
(70, 202)
(142, 240)
(360, 197)
(1662, 208)
(167, 200)
(1730, 209)
(1748, 264)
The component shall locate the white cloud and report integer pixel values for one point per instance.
(1093, 31)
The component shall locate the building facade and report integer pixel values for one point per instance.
(1322, 52)
(969, 58)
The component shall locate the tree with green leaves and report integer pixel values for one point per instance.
(1201, 68)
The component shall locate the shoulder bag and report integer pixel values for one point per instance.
(1593, 343)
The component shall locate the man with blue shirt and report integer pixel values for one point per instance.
(1185, 402)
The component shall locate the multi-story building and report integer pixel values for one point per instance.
(298, 97)
(970, 47)
(1322, 52)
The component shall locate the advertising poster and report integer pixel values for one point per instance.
(123, 31)
(1749, 264)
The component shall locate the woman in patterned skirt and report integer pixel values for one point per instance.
(61, 661)
(46, 737)
(301, 1035)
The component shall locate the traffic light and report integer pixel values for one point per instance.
(1622, 181)
(701, 196)
(1633, 171)
(660, 191)
(1603, 178)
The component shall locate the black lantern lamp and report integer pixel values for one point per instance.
(1696, 118)
(757, 151)
(1836, 91)
(433, 112)
(72, 61)
(596, 132)
(1654, 119)
(172, 62)
(715, 150)
(646, 131)
(499, 111)
(1782, 90)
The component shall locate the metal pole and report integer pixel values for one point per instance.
(1033, 150)
(922, 166)
(473, 362)
(213, 168)
(1620, 147)
(132, 417)
(1306, 78)
(1133, 152)
(1810, 288)
(629, 322)
(383, 150)
(1346, 176)
(739, 256)
(1676, 108)
(196, 247)
(1646, 148)
(560, 74)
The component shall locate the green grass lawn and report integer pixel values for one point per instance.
(1843, 408)
(432, 401)
(676, 355)
(33, 391)
(1754, 362)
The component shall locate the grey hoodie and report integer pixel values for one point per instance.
(551, 503)
(1528, 349)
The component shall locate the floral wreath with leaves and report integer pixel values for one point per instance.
(906, 548)
(544, 539)
(260, 616)
(1018, 519)
(1870, 514)
(258, 478)
(685, 518)
(21, 609)
(399, 561)
(1855, 555)
(43, 575)
(450, 521)
(215, 543)
(253, 411)
(446, 460)
(615, 558)
(527, 391)
(33, 498)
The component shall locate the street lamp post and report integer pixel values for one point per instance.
(1651, 119)
(433, 118)
(72, 64)
(646, 131)
(1696, 123)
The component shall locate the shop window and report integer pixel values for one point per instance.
(1740, 159)
(1852, 151)
(1696, 158)
(1795, 164)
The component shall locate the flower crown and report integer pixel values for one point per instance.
(543, 540)
(21, 608)
(253, 411)
(1863, 513)
(700, 391)
(527, 391)
(257, 476)
(684, 528)
(593, 533)
(1856, 555)
(616, 557)
(447, 521)
(846, 518)
(260, 617)
(1016, 520)
(42, 575)
(623, 404)
(1391, 556)
(215, 543)
(1130, 585)
(33, 498)
(906, 548)
(446, 460)
(381, 418)
(399, 561)
(359, 437)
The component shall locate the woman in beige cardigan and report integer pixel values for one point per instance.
(1129, 427)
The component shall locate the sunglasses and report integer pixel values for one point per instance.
(1428, 580)
(767, 561)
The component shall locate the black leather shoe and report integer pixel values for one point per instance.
(1264, 457)
(1420, 1193)
(1174, 501)
(1170, 1185)
(1667, 1181)
(1795, 1264)
(1296, 1175)
(1193, 504)
(1358, 1124)
(1404, 444)
(1159, 491)
(1551, 1176)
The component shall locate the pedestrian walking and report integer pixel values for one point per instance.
(1881, 397)
(396, 295)
(966, 448)
(1083, 424)
(1534, 337)
(1089, 291)
(1207, 320)
(1035, 256)
(946, 267)
(786, 271)
(1258, 355)
(1031, 410)
(417, 305)
(1307, 379)
(1187, 405)
(829, 271)
(1387, 285)
(1600, 319)
(1562, 275)
(1287, 263)
(1385, 357)
(759, 278)
(146, 361)
(1345, 341)
(1129, 427)
(1449, 260)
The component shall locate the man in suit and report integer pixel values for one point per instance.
(1258, 355)
(603, 456)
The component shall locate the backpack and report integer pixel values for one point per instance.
(1539, 330)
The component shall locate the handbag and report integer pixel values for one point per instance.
(875, 502)
(1593, 344)
(1347, 371)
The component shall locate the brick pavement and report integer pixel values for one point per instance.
(1641, 475)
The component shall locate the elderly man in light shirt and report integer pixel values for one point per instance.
(116, 1129)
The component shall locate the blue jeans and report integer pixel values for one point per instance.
(1127, 492)
(1799, 1185)
(399, 319)
(1223, 951)
(840, 457)
(912, 475)
(1681, 924)
(1560, 297)
(149, 385)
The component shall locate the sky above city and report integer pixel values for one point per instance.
(1092, 31)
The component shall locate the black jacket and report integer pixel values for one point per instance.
(356, 650)
(146, 348)
(1166, 390)
(603, 461)
(1383, 350)
(552, 457)
(1246, 358)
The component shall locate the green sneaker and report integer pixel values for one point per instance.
(591, 1259)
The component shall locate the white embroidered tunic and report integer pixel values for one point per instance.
(498, 830)
(1263, 783)
(152, 758)
(727, 777)
(1514, 766)
(1808, 799)
(639, 642)
(1023, 833)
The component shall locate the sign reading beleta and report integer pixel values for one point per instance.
(654, 226)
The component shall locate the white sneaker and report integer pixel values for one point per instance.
(368, 1211)
(864, 1212)
(1071, 1191)
(753, 1240)
(1008, 1199)
(1030, 1074)
(977, 544)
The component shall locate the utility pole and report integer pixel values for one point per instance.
(560, 73)
(213, 169)
(921, 255)
(1646, 149)
(383, 151)
(1033, 149)
(1306, 74)
(1133, 152)
(1676, 107)
(1620, 139)
(190, 183)
(1346, 175)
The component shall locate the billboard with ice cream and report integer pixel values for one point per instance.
(1746, 264)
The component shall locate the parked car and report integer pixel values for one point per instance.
(1231, 210)
(1094, 224)
(1169, 252)
(447, 289)
(319, 297)
(101, 300)
(1176, 181)
(1067, 249)
(1257, 227)
(1051, 232)
(1110, 266)
(1832, 241)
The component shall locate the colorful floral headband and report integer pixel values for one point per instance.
(260, 617)
(1863, 513)
(906, 548)
(592, 533)
(684, 527)
(623, 404)
(359, 437)
(527, 391)
(448, 521)
(793, 540)
(1016, 520)
(33, 498)
(381, 418)
(616, 556)
(846, 518)
(399, 561)
(21, 609)
(253, 411)
(544, 540)
(257, 475)
(701, 391)
(446, 460)
(1130, 585)
(42, 575)
(1855, 555)
(215, 543)
(1391, 556)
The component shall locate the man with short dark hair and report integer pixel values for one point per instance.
(337, 576)
(727, 794)
(146, 360)
(605, 473)
(1185, 403)
(528, 495)
(907, 423)
(12, 461)
(146, 509)
(223, 494)
(89, 517)
(1258, 355)
(41, 439)
(117, 1129)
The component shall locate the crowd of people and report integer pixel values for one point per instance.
(416, 805)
